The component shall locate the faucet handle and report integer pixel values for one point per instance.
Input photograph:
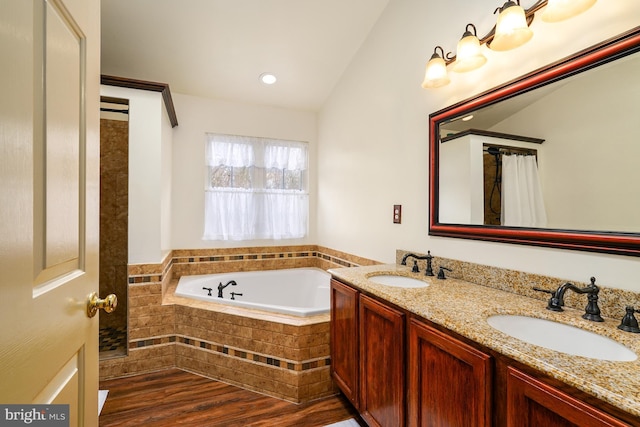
(554, 303)
(441, 275)
(415, 268)
(629, 322)
(546, 291)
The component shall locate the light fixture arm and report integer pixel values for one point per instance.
(435, 52)
(467, 32)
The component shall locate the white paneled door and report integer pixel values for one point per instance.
(49, 203)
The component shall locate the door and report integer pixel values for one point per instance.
(449, 381)
(532, 403)
(382, 364)
(344, 339)
(49, 172)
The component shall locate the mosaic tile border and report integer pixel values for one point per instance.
(231, 352)
(144, 274)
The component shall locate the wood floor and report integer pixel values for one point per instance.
(176, 398)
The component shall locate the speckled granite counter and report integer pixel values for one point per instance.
(463, 307)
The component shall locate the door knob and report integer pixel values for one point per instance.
(94, 303)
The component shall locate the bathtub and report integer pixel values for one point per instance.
(295, 291)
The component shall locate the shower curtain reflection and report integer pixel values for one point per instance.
(522, 201)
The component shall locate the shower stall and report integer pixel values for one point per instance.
(114, 213)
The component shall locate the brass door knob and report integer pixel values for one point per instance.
(94, 303)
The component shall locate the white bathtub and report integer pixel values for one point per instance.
(296, 291)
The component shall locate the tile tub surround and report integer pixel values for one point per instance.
(279, 355)
(463, 307)
(261, 352)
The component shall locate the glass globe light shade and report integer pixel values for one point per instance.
(559, 10)
(435, 73)
(511, 29)
(468, 54)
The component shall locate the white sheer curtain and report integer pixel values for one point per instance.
(256, 188)
(522, 202)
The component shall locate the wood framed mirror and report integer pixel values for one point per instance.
(588, 152)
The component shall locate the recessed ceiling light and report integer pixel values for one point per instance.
(267, 78)
(467, 118)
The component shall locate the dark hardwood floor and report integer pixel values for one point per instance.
(177, 398)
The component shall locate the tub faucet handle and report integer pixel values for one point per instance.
(233, 295)
(208, 289)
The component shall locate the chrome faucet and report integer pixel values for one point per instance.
(415, 269)
(592, 311)
(221, 287)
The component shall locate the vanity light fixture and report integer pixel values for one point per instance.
(511, 30)
(559, 10)
(268, 78)
(436, 72)
(469, 54)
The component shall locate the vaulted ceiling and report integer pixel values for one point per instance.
(219, 48)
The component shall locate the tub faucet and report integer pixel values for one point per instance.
(592, 311)
(221, 287)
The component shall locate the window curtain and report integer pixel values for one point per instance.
(522, 202)
(255, 209)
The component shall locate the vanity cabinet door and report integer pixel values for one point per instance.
(449, 381)
(532, 403)
(344, 339)
(382, 385)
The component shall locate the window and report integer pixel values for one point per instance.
(256, 188)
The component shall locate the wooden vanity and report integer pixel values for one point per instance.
(399, 368)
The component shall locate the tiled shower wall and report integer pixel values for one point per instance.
(289, 361)
(114, 207)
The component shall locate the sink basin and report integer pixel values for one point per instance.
(398, 281)
(560, 337)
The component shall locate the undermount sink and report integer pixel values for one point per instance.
(398, 281)
(560, 337)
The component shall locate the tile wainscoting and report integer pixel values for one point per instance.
(278, 355)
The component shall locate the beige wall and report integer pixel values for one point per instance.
(198, 116)
(373, 134)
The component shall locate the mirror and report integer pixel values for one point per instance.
(579, 119)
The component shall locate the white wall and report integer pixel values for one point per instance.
(148, 174)
(198, 116)
(373, 134)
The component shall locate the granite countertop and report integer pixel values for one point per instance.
(463, 307)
